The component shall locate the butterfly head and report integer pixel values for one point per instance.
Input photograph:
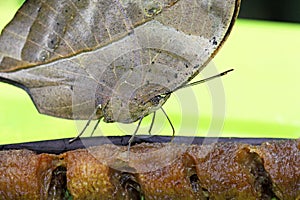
(143, 101)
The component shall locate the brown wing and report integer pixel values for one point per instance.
(44, 31)
(73, 55)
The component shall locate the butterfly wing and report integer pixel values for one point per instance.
(71, 56)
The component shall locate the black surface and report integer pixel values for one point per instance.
(275, 10)
(63, 145)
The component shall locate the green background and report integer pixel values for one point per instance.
(262, 94)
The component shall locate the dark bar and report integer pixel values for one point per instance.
(62, 145)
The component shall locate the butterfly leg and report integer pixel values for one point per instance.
(152, 122)
(87, 124)
(134, 134)
(173, 129)
(95, 127)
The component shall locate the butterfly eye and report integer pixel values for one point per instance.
(156, 100)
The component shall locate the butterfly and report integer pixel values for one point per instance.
(113, 60)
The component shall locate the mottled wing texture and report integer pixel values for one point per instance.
(44, 31)
(72, 55)
(54, 32)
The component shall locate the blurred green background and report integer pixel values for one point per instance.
(262, 98)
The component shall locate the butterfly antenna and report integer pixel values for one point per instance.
(134, 134)
(173, 129)
(206, 79)
(184, 86)
(87, 124)
(152, 122)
